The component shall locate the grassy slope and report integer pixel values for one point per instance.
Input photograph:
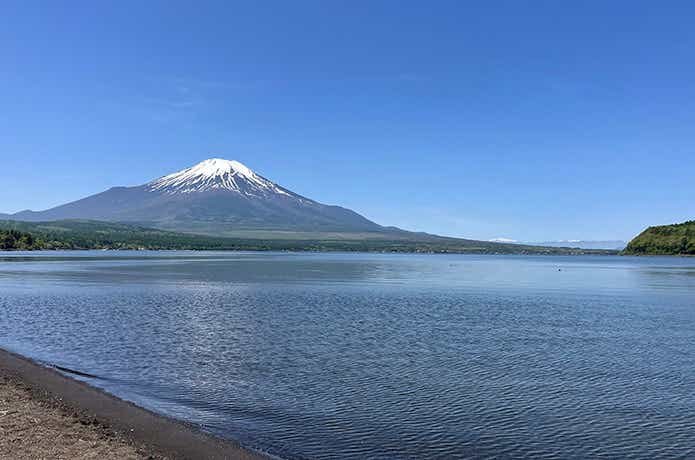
(81, 234)
(676, 239)
(228, 230)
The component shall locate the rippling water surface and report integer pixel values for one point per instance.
(377, 356)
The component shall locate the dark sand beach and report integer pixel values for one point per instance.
(44, 414)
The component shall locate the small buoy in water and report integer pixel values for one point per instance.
(559, 269)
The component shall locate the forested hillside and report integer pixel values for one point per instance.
(676, 239)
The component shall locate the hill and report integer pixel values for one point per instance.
(675, 239)
(212, 197)
(86, 234)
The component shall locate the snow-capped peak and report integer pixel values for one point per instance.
(502, 240)
(218, 166)
(216, 174)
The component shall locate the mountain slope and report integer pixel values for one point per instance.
(675, 239)
(211, 197)
(84, 234)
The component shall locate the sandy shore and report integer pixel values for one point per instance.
(46, 415)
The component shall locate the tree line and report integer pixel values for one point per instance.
(16, 240)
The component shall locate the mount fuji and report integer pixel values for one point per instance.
(214, 197)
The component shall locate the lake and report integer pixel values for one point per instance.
(373, 355)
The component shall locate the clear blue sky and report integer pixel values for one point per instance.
(527, 120)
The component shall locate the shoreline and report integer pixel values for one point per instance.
(156, 434)
(593, 252)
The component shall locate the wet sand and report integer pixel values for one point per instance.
(44, 414)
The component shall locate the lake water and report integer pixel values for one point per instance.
(377, 356)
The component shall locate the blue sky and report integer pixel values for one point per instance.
(528, 120)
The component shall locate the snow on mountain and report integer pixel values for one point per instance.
(217, 174)
(502, 240)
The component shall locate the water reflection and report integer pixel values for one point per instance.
(379, 356)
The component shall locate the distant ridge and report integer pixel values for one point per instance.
(583, 244)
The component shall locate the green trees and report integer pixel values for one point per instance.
(676, 239)
(14, 239)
